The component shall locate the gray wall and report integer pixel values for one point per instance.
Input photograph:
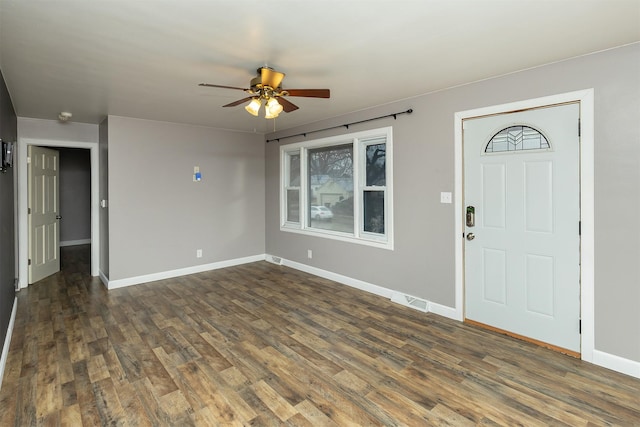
(159, 217)
(75, 194)
(8, 132)
(422, 263)
(103, 148)
(55, 130)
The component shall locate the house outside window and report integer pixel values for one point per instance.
(340, 187)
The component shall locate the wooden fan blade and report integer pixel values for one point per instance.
(223, 87)
(287, 105)
(309, 93)
(238, 102)
(271, 77)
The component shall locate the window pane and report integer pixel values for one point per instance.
(376, 164)
(294, 170)
(293, 205)
(374, 211)
(331, 188)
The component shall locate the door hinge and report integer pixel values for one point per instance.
(580, 326)
(29, 211)
(579, 128)
(579, 228)
(29, 263)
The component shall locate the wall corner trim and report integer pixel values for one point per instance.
(7, 340)
(104, 279)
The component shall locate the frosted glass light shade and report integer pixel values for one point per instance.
(254, 106)
(272, 109)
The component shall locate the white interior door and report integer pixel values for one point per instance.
(43, 213)
(522, 254)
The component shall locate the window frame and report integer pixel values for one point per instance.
(359, 142)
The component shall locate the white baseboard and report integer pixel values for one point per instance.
(616, 363)
(7, 340)
(354, 283)
(444, 311)
(120, 283)
(75, 242)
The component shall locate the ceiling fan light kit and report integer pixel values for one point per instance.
(267, 86)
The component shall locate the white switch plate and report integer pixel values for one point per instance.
(199, 253)
(309, 254)
(445, 197)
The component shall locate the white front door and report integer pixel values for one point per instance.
(43, 212)
(522, 253)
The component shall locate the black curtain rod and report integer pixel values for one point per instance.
(394, 115)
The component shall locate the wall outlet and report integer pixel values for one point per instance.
(309, 254)
(199, 253)
(445, 197)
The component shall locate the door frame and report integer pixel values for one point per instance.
(23, 223)
(587, 249)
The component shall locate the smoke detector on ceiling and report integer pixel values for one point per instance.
(64, 116)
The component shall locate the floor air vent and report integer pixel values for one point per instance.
(274, 260)
(412, 302)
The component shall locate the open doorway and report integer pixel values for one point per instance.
(23, 233)
(75, 200)
(75, 196)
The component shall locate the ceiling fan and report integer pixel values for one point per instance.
(266, 87)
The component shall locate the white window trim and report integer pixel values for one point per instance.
(359, 141)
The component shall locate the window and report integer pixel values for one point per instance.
(339, 187)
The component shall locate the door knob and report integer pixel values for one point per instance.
(470, 236)
(58, 217)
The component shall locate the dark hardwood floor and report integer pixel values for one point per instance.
(261, 344)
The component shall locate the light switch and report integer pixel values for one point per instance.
(445, 197)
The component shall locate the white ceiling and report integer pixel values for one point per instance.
(145, 59)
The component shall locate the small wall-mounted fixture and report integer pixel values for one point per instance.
(6, 159)
(64, 116)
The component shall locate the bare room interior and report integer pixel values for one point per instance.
(319, 213)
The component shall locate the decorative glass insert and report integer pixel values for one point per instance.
(517, 138)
